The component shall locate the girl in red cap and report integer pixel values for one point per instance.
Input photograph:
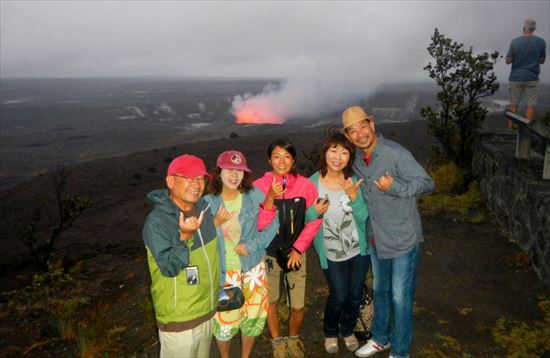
(241, 248)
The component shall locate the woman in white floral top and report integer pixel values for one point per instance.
(341, 243)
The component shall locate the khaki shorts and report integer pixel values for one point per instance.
(525, 92)
(193, 342)
(296, 280)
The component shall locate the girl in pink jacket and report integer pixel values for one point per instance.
(291, 194)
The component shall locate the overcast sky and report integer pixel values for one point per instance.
(328, 45)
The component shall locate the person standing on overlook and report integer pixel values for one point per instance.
(392, 179)
(526, 54)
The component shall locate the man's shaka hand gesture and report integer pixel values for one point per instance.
(384, 182)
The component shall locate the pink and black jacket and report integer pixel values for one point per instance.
(294, 231)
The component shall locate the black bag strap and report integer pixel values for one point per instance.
(284, 286)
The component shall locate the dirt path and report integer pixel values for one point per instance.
(469, 277)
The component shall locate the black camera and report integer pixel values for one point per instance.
(323, 200)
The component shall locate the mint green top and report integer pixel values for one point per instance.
(232, 232)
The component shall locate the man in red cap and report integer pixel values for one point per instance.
(181, 242)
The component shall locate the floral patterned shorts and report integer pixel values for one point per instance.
(251, 317)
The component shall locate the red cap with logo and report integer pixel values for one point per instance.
(232, 159)
(188, 166)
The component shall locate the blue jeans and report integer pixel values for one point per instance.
(345, 282)
(394, 285)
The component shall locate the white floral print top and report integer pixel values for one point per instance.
(339, 232)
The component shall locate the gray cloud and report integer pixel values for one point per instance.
(327, 51)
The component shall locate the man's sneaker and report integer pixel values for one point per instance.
(279, 347)
(371, 348)
(331, 345)
(351, 342)
(295, 347)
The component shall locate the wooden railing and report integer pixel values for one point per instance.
(526, 131)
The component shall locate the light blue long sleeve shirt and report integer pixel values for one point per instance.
(256, 241)
(393, 215)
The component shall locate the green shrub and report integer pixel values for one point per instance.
(98, 336)
(64, 313)
(448, 179)
(478, 218)
(451, 194)
(49, 281)
(452, 203)
(519, 339)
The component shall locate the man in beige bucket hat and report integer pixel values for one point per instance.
(354, 115)
(392, 181)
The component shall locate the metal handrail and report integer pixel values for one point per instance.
(523, 144)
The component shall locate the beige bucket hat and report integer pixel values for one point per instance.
(353, 115)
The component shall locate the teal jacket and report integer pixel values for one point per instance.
(360, 215)
(256, 241)
(179, 305)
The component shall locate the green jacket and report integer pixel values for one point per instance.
(360, 215)
(179, 305)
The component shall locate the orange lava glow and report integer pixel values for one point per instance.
(256, 114)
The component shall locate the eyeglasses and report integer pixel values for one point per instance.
(199, 180)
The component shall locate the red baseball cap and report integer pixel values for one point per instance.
(187, 165)
(232, 159)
